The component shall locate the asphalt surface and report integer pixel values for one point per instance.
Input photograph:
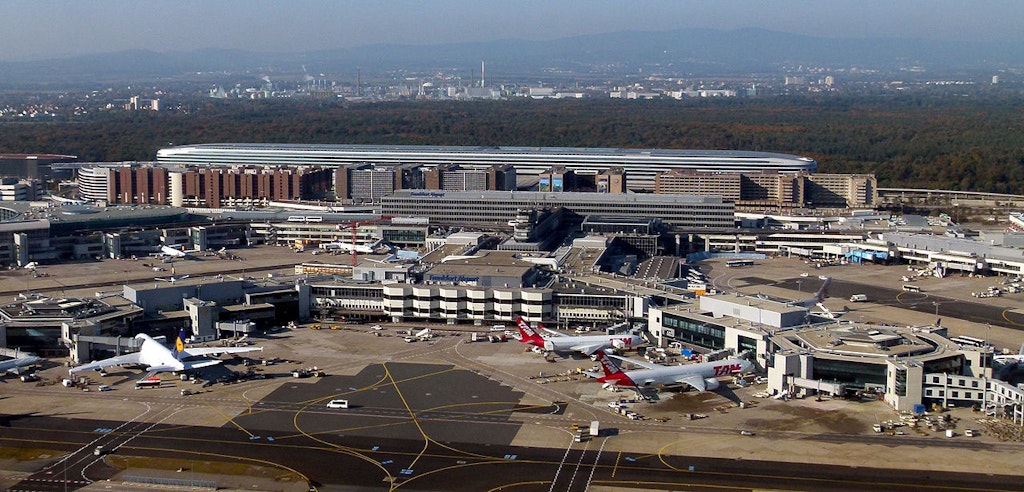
(425, 427)
(922, 302)
(453, 425)
(416, 464)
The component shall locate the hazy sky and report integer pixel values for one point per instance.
(51, 28)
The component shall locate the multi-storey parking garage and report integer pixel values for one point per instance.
(642, 165)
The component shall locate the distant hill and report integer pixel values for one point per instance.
(693, 52)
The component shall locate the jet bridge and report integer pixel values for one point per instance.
(831, 388)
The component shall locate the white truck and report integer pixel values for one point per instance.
(859, 298)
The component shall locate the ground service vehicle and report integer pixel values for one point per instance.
(337, 404)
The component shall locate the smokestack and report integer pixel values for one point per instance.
(358, 73)
(482, 73)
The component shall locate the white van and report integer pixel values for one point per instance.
(337, 404)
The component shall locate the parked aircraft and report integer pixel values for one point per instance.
(587, 345)
(342, 247)
(15, 365)
(173, 278)
(702, 377)
(818, 298)
(1005, 359)
(158, 358)
(172, 252)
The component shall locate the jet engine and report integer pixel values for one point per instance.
(711, 383)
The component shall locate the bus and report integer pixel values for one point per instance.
(911, 288)
(968, 341)
(150, 382)
(739, 263)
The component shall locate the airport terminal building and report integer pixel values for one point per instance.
(499, 208)
(806, 355)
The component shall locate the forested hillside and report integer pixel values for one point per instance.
(975, 145)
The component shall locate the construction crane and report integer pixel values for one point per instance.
(354, 226)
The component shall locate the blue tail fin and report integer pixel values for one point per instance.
(179, 343)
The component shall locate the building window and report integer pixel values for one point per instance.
(901, 382)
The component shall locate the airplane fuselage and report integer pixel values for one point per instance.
(671, 375)
(566, 344)
(15, 364)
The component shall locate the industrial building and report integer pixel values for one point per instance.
(642, 165)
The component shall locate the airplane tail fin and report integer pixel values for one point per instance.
(822, 293)
(612, 372)
(528, 334)
(179, 343)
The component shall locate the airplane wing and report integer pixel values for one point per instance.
(132, 358)
(641, 363)
(201, 363)
(693, 380)
(589, 348)
(155, 369)
(199, 351)
(553, 332)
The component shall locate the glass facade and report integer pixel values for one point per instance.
(850, 372)
(705, 335)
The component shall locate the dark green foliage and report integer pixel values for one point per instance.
(972, 144)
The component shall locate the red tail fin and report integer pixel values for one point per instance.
(612, 372)
(528, 334)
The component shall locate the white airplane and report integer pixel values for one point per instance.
(161, 359)
(702, 377)
(349, 247)
(15, 365)
(1005, 359)
(175, 252)
(818, 298)
(173, 278)
(586, 345)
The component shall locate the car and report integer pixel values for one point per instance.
(746, 433)
(337, 404)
